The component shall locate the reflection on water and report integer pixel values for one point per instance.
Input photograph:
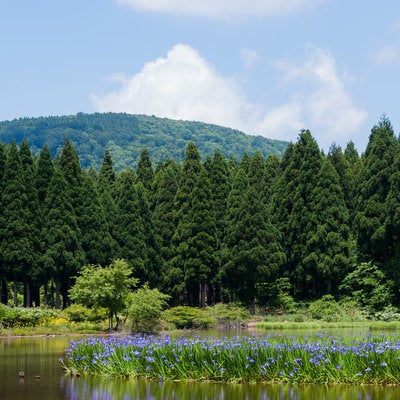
(91, 388)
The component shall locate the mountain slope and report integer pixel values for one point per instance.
(126, 135)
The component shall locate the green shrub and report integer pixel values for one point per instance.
(11, 317)
(326, 309)
(80, 313)
(145, 309)
(230, 315)
(184, 317)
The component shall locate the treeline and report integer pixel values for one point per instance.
(124, 135)
(307, 224)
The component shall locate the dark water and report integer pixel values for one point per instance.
(44, 379)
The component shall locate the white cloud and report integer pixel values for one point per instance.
(221, 8)
(183, 85)
(386, 55)
(322, 100)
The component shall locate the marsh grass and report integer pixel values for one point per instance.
(314, 324)
(271, 358)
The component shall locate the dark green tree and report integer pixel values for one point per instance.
(165, 187)
(374, 243)
(105, 189)
(128, 229)
(44, 173)
(152, 241)
(32, 276)
(197, 251)
(3, 281)
(252, 252)
(96, 237)
(329, 249)
(71, 169)
(17, 231)
(61, 238)
(302, 222)
(182, 205)
(145, 172)
(347, 177)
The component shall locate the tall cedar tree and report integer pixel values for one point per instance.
(17, 233)
(272, 171)
(198, 251)
(153, 259)
(373, 241)
(32, 278)
(105, 189)
(3, 281)
(96, 237)
(329, 252)
(71, 169)
(145, 172)
(252, 251)
(392, 224)
(44, 173)
(220, 185)
(165, 187)
(347, 177)
(302, 221)
(128, 229)
(182, 204)
(62, 252)
(256, 173)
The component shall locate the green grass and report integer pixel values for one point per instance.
(315, 324)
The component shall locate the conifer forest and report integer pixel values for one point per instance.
(207, 229)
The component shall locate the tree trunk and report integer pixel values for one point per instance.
(253, 306)
(58, 292)
(27, 294)
(15, 293)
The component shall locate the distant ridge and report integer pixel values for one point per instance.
(125, 135)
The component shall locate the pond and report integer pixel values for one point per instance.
(44, 378)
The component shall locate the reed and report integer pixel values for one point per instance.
(280, 358)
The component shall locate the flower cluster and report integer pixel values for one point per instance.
(274, 358)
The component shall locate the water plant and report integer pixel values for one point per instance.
(318, 358)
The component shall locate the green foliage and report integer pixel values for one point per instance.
(184, 317)
(79, 313)
(106, 287)
(126, 135)
(229, 315)
(12, 317)
(326, 309)
(368, 286)
(145, 308)
(276, 297)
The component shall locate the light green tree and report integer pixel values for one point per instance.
(145, 309)
(107, 287)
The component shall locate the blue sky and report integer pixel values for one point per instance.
(266, 67)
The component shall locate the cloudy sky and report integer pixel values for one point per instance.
(266, 67)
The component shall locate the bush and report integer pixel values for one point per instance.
(326, 309)
(80, 313)
(184, 317)
(229, 315)
(11, 317)
(145, 309)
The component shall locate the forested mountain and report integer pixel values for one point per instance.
(126, 135)
(208, 229)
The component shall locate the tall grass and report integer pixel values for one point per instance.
(280, 358)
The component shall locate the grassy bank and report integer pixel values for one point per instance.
(318, 358)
